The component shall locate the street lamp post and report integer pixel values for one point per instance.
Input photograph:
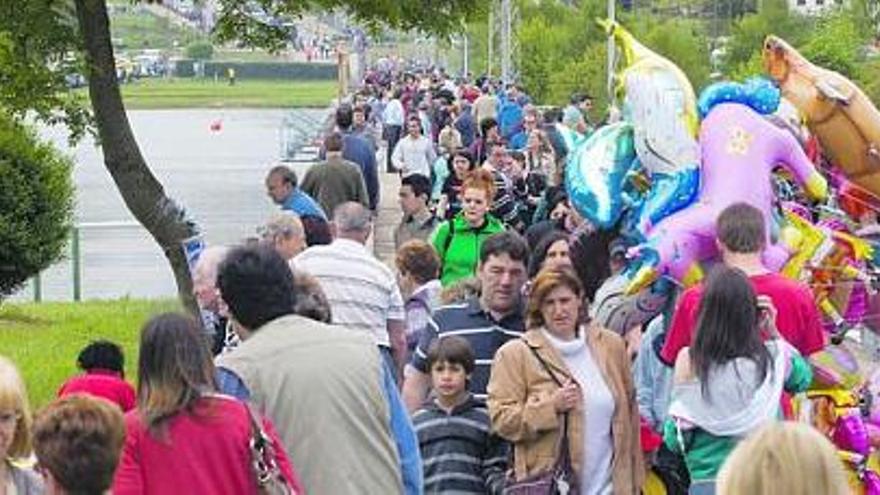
(611, 48)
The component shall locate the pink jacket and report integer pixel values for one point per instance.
(205, 452)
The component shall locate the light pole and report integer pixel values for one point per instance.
(464, 69)
(611, 48)
(506, 22)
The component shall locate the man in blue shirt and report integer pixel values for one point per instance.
(358, 150)
(486, 321)
(281, 185)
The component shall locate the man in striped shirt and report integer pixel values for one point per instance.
(362, 291)
(487, 321)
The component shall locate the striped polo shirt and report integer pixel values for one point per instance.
(470, 321)
(361, 290)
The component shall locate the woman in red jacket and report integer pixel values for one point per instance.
(184, 437)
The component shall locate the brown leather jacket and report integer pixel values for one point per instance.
(522, 411)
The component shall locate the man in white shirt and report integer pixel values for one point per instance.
(415, 153)
(362, 291)
(392, 119)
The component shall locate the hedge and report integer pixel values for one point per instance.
(36, 204)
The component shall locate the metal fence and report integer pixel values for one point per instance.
(76, 256)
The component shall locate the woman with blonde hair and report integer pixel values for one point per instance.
(786, 457)
(567, 380)
(15, 434)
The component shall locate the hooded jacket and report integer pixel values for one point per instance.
(706, 427)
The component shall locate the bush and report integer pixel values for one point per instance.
(36, 204)
(200, 50)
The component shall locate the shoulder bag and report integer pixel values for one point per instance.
(269, 479)
(560, 479)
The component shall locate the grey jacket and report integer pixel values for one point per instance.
(321, 386)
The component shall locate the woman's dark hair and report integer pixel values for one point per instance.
(486, 125)
(464, 153)
(257, 285)
(555, 195)
(590, 257)
(174, 368)
(727, 326)
(101, 354)
(539, 254)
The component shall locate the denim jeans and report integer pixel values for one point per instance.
(702, 487)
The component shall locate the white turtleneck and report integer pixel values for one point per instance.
(598, 411)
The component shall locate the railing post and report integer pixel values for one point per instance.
(38, 288)
(75, 264)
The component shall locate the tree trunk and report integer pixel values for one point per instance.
(145, 197)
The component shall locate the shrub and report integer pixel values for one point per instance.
(200, 50)
(36, 204)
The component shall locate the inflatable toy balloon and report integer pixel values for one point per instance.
(613, 309)
(668, 194)
(835, 367)
(758, 93)
(595, 172)
(661, 106)
(740, 149)
(837, 111)
(856, 201)
(871, 389)
(831, 261)
(850, 434)
(790, 117)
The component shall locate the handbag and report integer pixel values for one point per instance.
(559, 479)
(269, 479)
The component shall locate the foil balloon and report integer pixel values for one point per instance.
(856, 201)
(850, 434)
(871, 389)
(835, 367)
(837, 111)
(613, 309)
(595, 171)
(740, 149)
(661, 106)
(758, 93)
(831, 261)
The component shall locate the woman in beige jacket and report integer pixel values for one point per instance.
(527, 406)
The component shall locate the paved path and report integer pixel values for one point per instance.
(389, 216)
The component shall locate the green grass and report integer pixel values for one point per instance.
(135, 27)
(43, 340)
(205, 93)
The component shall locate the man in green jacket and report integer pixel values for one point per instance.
(337, 180)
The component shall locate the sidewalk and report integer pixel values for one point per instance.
(389, 216)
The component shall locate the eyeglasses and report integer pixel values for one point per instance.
(9, 418)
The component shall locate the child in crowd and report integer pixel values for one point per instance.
(459, 453)
(103, 364)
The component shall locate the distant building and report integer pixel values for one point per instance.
(813, 7)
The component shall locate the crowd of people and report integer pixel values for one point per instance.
(473, 365)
